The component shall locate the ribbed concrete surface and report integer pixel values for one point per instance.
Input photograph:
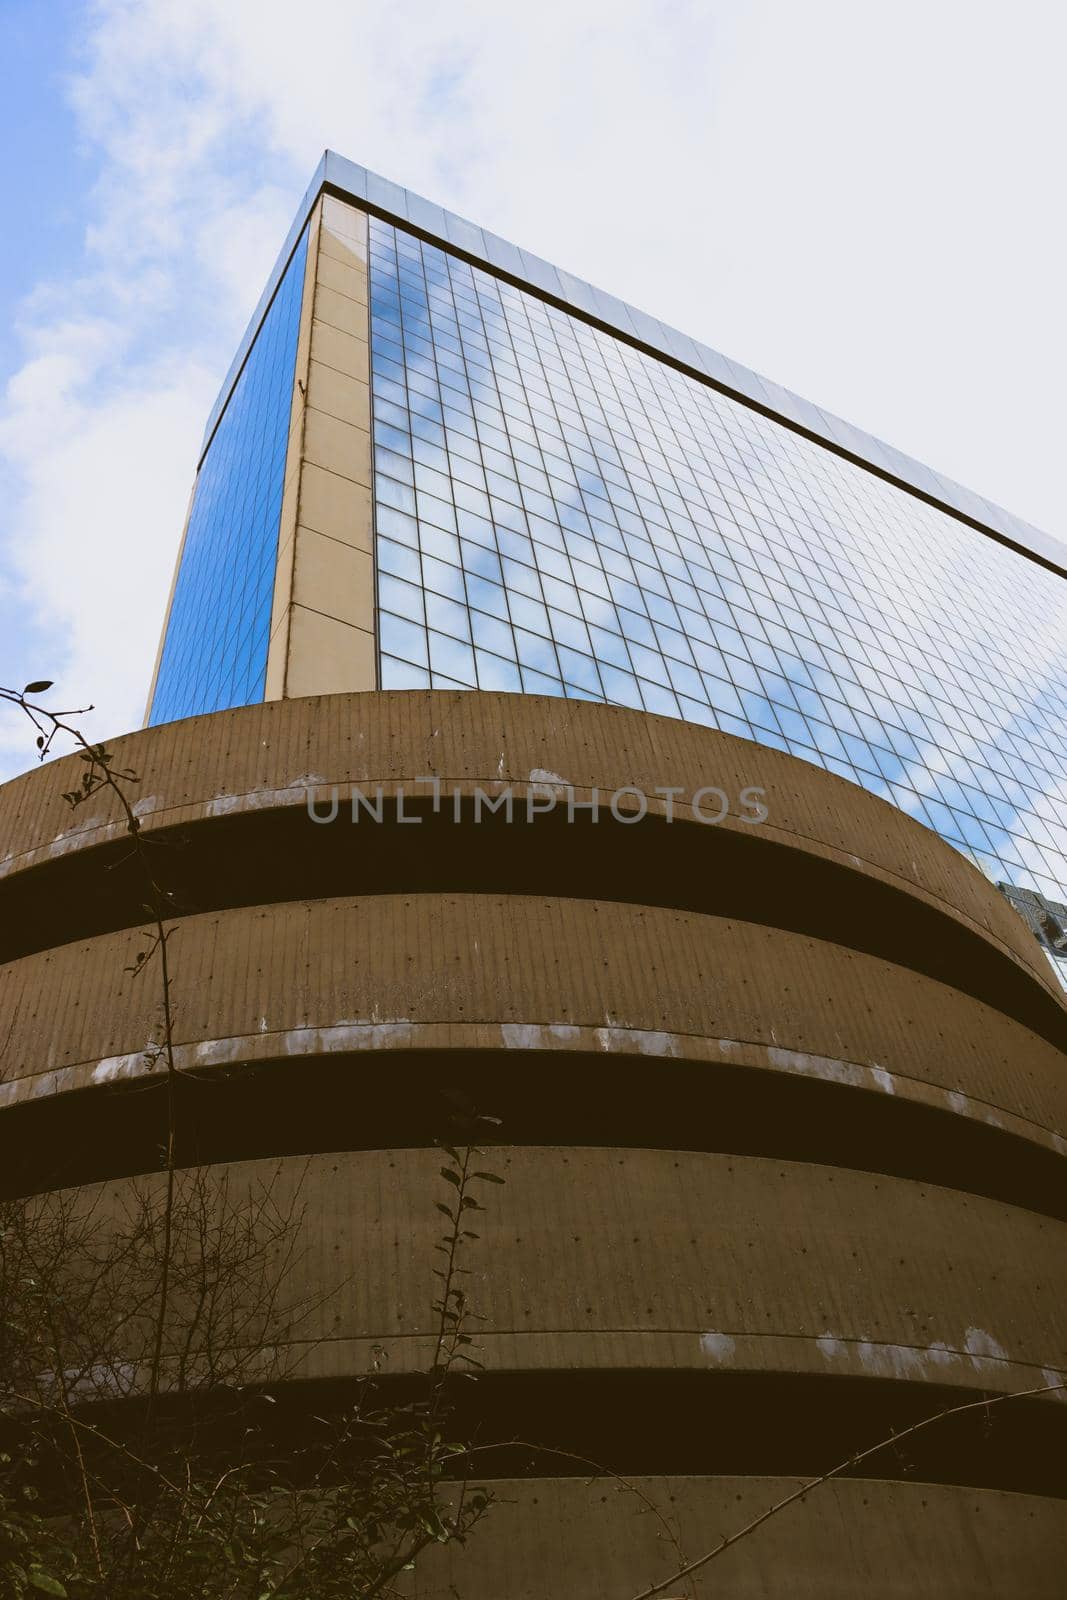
(878, 1541)
(260, 757)
(648, 1258)
(482, 971)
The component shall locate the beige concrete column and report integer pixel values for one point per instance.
(322, 624)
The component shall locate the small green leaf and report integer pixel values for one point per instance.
(38, 686)
(39, 1579)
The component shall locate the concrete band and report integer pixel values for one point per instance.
(855, 1537)
(268, 757)
(513, 973)
(643, 1259)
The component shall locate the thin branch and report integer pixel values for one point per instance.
(834, 1472)
(32, 1402)
(598, 1471)
(101, 775)
(202, 1268)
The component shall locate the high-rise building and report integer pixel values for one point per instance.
(440, 461)
(781, 1098)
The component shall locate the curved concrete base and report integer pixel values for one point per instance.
(605, 1540)
(781, 1102)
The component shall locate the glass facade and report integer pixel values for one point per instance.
(559, 513)
(215, 648)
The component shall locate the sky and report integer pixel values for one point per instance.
(860, 200)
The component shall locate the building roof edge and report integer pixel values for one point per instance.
(337, 175)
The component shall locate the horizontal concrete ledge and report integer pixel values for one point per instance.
(524, 974)
(606, 1424)
(269, 757)
(508, 1354)
(692, 1350)
(306, 1105)
(399, 1035)
(600, 1258)
(851, 1537)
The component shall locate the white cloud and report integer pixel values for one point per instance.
(821, 190)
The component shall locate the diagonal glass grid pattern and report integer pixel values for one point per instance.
(215, 650)
(559, 513)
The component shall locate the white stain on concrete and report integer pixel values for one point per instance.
(1057, 1382)
(64, 843)
(266, 799)
(825, 1067)
(983, 1349)
(114, 1068)
(884, 1360)
(642, 1041)
(542, 775)
(538, 1035)
(216, 1052)
(224, 805)
(521, 1035)
(890, 1360)
(305, 780)
(719, 1346)
(342, 1037)
(50, 1083)
(885, 1080)
(17, 1090)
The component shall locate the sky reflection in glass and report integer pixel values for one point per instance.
(215, 650)
(561, 514)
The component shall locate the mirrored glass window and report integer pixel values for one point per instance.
(559, 513)
(215, 649)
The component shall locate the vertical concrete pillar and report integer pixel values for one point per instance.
(322, 624)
